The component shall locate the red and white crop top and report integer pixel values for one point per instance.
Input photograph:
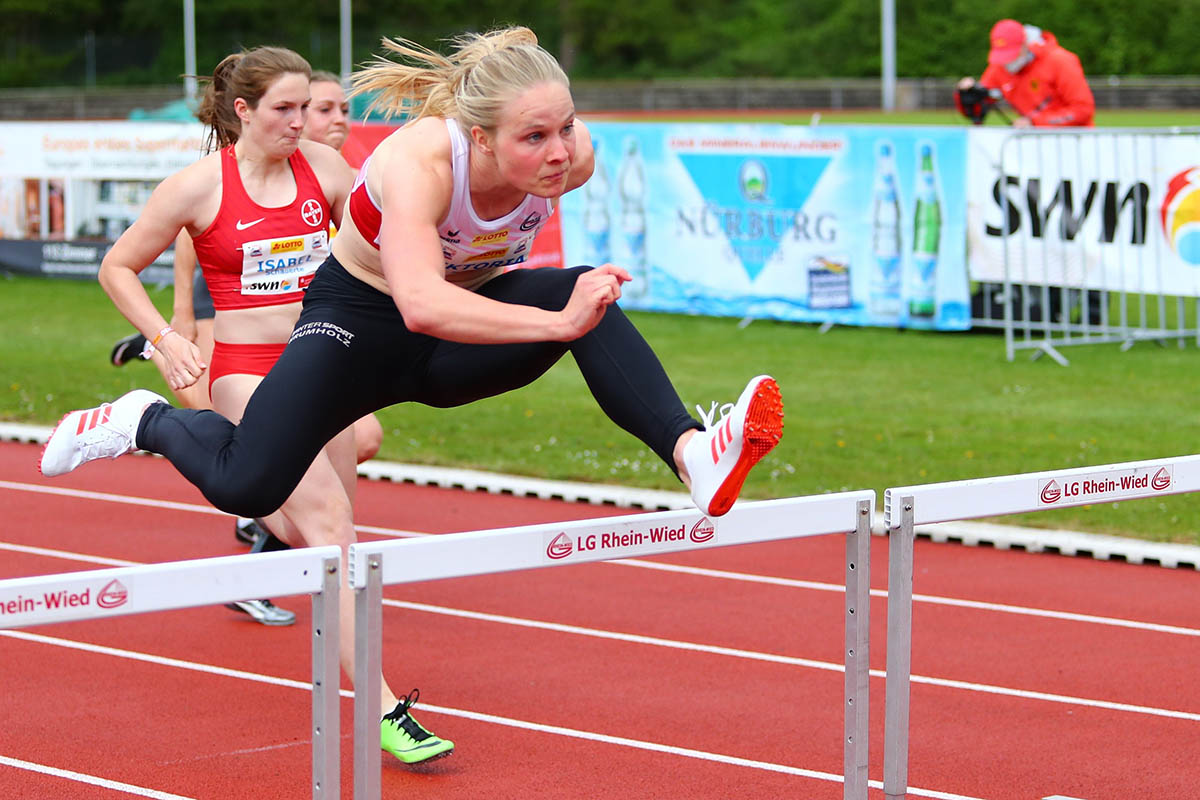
(473, 249)
(254, 256)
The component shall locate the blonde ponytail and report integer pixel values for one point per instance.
(481, 73)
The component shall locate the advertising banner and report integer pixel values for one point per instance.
(122, 150)
(850, 225)
(78, 260)
(1098, 209)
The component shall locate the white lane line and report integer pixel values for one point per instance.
(110, 498)
(655, 565)
(917, 598)
(788, 660)
(92, 780)
(174, 506)
(66, 555)
(680, 751)
(472, 715)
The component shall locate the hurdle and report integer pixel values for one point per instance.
(373, 565)
(908, 506)
(121, 591)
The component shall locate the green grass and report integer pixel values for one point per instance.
(867, 408)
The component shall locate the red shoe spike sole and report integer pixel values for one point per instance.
(763, 430)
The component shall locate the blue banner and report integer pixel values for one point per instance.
(850, 225)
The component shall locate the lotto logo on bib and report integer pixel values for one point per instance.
(295, 245)
(496, 237)
(627, 541)
(1115, 485)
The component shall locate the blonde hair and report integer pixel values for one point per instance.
(482, 72)
(247, 75)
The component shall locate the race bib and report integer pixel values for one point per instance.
(283, 265)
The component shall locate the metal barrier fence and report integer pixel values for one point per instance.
(908, 506)
(1092, 228)
(373, 565)
(104, 593)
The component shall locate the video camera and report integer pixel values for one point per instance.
(976, 101)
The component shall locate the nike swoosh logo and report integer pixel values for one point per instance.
(241, 226)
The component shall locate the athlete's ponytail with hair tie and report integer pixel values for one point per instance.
(216, 107)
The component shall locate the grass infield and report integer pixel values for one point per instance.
(867, 408)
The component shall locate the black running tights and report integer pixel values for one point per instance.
(351, 354)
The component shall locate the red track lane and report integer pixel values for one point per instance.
(197, 734)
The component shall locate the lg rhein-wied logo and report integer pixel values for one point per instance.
(112, 595)
(1104, 487)
(562, 545)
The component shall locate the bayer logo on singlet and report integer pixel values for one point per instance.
(312, 213)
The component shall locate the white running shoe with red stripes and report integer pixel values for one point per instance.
(719, 457)
(106, 431)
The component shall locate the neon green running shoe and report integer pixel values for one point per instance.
(408, 740)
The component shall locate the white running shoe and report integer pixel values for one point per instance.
(106, 431)
(719, 457)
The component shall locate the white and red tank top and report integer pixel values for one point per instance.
(473, 249)
(254, 256)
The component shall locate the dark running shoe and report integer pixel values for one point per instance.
(264, 611)
(255, 533)
(407, 739)
(245, 530)
(127, 349)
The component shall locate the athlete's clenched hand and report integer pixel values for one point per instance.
(595, 291)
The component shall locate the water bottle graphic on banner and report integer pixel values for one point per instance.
(631, 184)
(884, 300)
(597, 222)
(927, 233)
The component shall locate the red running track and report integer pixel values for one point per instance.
(1034, 675)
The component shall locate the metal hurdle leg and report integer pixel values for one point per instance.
(899, 654)
(326, 675)
(858, 663)
(368, 681)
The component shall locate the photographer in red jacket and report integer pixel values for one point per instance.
(1041, 80)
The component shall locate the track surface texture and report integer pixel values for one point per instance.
(708, 674)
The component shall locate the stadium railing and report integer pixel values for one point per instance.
(1081, 260)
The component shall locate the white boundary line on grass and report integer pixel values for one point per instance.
(1002, 537)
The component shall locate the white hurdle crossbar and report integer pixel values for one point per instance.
(375, 564)
(908, 506)
(104, 593)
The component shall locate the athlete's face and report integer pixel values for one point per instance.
(534, 140)
(276, 123)
(328, 114)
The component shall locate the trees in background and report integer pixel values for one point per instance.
(140, 42)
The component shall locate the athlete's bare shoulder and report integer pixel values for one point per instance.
(417, 156)
(192, 187)
(319, 154)
(327, 164)
(425, 140)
